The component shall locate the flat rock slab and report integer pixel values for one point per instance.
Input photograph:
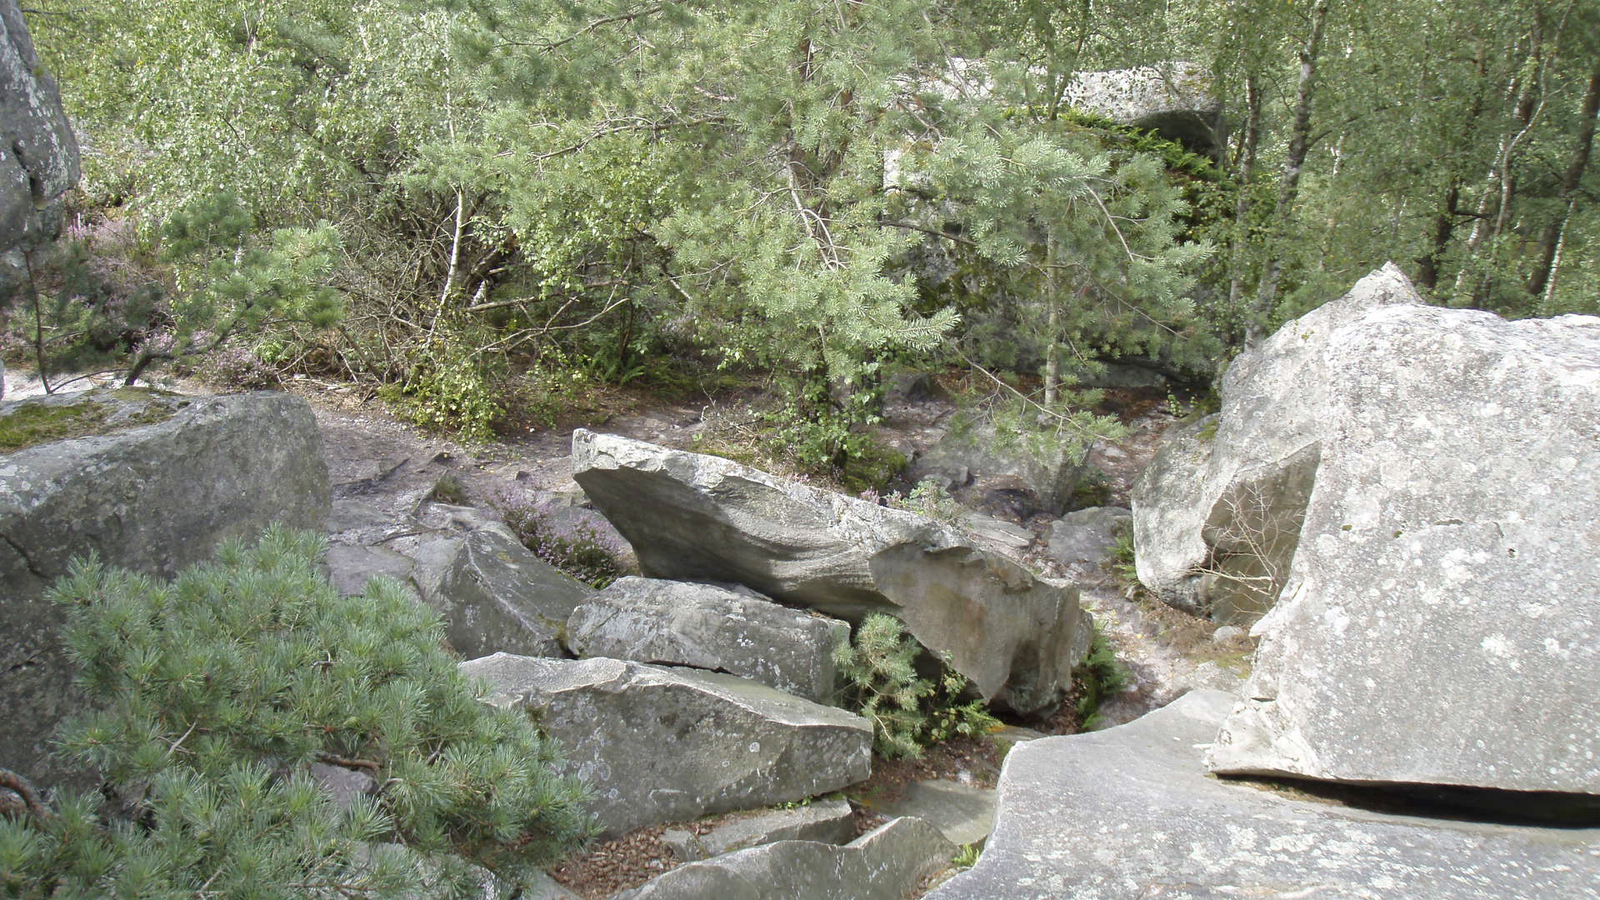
(662, 744)
(702, 518)
(964, 813)
(709, 627)
(888, 863)
(825, 821)
(1131, 813)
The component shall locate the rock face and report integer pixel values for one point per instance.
(1423, 484)
(160, 483)
(1130, 812)
(694, 517)
(494, 593)
(708, 627)
(886, 864)
(1173, 99)
(38, 153)
(664, 744)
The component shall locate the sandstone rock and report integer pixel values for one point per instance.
(709, 627)
(496, 595)
(664, 744)
(1130, 812)
(38, 152)
(1173, 99)
(1082, 540)
(161, 483)
(963, 813)
(886, 864)
(1417, 489)
(825, 821)
(980, 465)
(694, 517)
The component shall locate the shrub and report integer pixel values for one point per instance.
(1100, 675)
(584, 552)
(216, 692)
(908, 712)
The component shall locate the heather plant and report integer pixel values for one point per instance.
(580, 550)
(214, 696)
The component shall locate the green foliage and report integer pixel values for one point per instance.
(908, 712)
(1121, 561)
(214, 693)
(450, 390)
(929, 498)
(1100, 676)
(967, 856)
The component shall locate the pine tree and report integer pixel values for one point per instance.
(213, 696)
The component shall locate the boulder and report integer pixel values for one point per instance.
(827, 821)
(1173, 99)
(709, 627)
(1081, 541)
(38, 152)
(702, 518)
(1416, 489)
(495, 594)
(152, 483)
(888, 863)
(1000, 473)
(1131, 812)
(662, 744)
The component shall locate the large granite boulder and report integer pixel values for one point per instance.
(38, 152)
(662, 744)
(702, 518)
(152, 483)
(682, 623)
(888, 863)
(1418, 487)
(1130, 812)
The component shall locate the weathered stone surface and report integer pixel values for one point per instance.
(662, 744)
(1423, 486)
(350, 567)
(825, 821)
(885, 864)
(1082, 540)
(1130, 812)
(681, 623)
(496, 595)
(963, 813)
(1173, 99)
(1001, 474)
(153, 498)
(341, 785)
(38, 152)
(693, 517)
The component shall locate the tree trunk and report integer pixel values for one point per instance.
(1246, 164)
(1570, 179)
(1444, 226)
(1294, 162)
